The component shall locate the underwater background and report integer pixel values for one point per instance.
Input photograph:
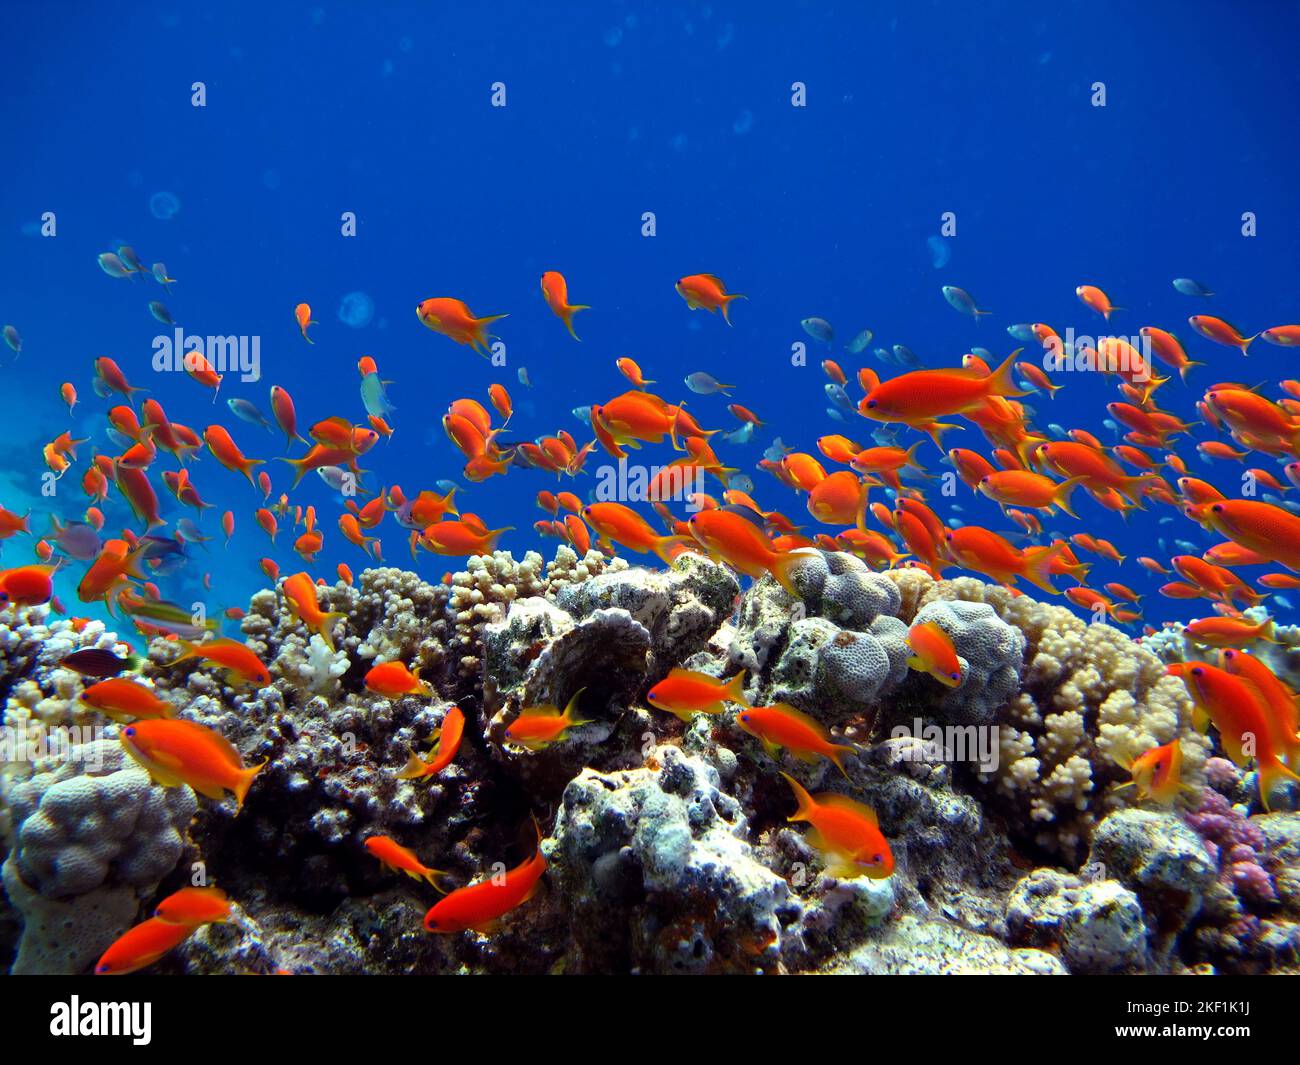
(834, 162)
(826, 210)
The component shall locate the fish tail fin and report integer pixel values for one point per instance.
(299, 468)
(1270, 776)
(935, 431)
(1038, 566)
(1002, 381)
(448, 501)
(806, 804)
(245, 782)
(837, 754)
(781, 567)
(736, 689)
(1182, 370)
(414, 769)
(327, 626)
(726, 305)
(569, 312)
(1061, 497)
(667, 547)
(491, 541)
(572, 708)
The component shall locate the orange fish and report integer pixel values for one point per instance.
(1158, 773)
(300, 593)
(238, 662)
(453, 319)
(1228, 632)
(1026, 489)
(556, 291)
(123, 699)
(685, 692)
(194, 906)
(447, 740)
(743, 546)
(629, 369)
(920, 397)
(460, 538)
(392, 855)
(709, 292)
(226, 452)
(481, 906)
(984, 551)
(27, 585)
(845, 832)
(392, 680)
(1220, 332)
(1092, 296)
(286, 417)
(617, 524)
(141, 946)
(1241, 715)
(781, 725)
(933, 653)
(176, 752)
(537, 727)
(302, 313)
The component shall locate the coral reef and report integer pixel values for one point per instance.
(669, 845)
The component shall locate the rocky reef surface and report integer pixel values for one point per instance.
(668, 844)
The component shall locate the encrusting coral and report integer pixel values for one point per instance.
(669, 844)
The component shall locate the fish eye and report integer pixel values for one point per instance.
(1197, 671)
(876, 859)
(744, 717)
(955, 676)
(871, 404)
(129, 731)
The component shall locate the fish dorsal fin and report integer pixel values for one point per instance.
(545, 710)
(806, 720)
(843, 802)
(696, 675)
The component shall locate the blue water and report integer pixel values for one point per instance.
(683, 110)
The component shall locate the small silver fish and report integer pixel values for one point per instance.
(741, 483)
(13, 339)
(776, 451)
(112, 265)
(444, 486)
(836, 394)
(905, 356)
(523, 377)
(743, 435)
(704, 384)
(963, 301)
(374, 396)
(1023, 332)
(189, 532)
(335, 477)
(833, 413)
(160, 275)
(818, 329)
(160, 312)
(76, 539)
(126, 254)
(583, 414)
(859, 343)
(1188, 287)
(246, 410)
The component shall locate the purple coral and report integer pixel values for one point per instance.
(1237, 845)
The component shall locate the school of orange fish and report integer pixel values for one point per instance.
(1031, 476)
